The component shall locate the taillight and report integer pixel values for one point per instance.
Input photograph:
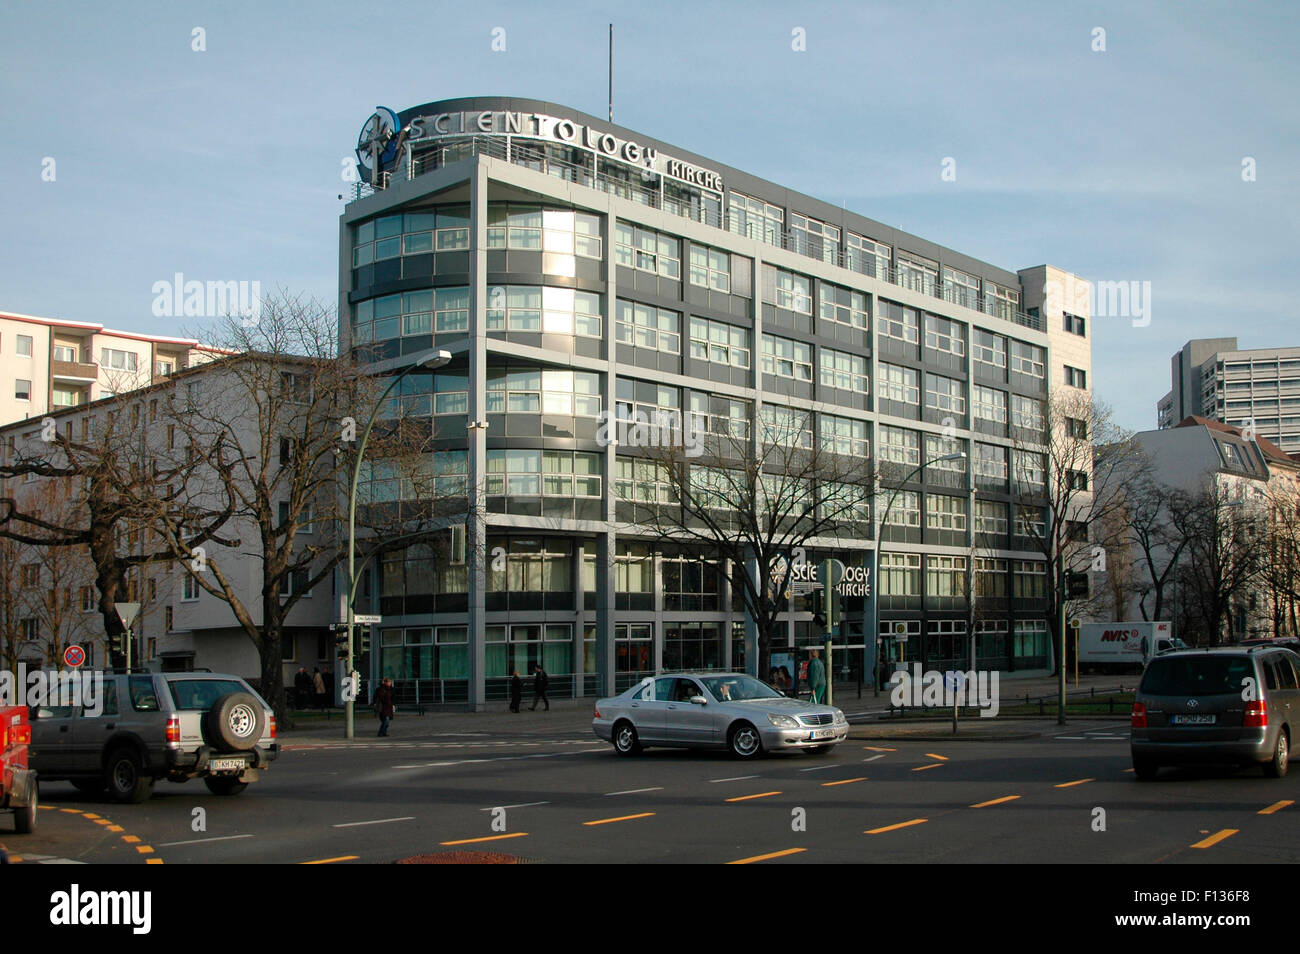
(1256, 715)
(173, 729)
(596, 714)
(273, 727)
(1139, 716)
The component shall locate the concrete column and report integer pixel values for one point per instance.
(476, 532)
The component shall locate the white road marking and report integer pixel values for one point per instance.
(636, 791)
(874, 757)
(377, 821)
(819, 768)
(520, 805)
(500, 758)
(738, 778)
(201, 841)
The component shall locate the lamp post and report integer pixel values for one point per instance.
(429, 362)
(875, 569)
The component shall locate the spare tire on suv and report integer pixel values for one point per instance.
(234, 723)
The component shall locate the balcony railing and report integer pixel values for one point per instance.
(526, 152)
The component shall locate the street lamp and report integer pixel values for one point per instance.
(875, 570)
(429, 362)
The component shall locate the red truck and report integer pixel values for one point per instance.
(17, 781)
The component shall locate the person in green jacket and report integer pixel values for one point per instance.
(817, 676)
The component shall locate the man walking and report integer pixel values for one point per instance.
(540, 682)
(384, 707)
(516, 690)
(817, 677)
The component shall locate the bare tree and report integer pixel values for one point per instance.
(1157, 528)
(1224, 550)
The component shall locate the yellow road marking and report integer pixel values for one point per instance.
(102, 821)
(144, 849)
(90, 814)
(47, 808)
(330, 861)
(153, 861)
(116, 828)
(922, 768)
(1074, 783)
(1126, 771)
(1277, 806)
(906, 824)
(130, 839)
(16, 859)
(845, 781)
(774, 854)
(71, 811)
(931, 755)
(995, 801)
(745, 798)
(876, 748)
(606, 821)
(471, 841)
(1215, 838)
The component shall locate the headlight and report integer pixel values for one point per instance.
(782, 721)
(839, 717)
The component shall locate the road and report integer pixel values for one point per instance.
(559, 795)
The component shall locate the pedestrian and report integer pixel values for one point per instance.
(329, 687)
(516, 690)
(318, 687)
(540, 682)
(817, 677)
(384, 707)
(302, 687)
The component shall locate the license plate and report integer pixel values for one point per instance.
(820, 734)
(226, 765)
(1191, 720)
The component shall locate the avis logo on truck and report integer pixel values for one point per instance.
(1111, 635)
(1123, 645)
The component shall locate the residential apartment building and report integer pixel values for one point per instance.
(575, 268)
(52, 363)
(1255, 389)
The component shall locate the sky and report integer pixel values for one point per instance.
(1137, 142)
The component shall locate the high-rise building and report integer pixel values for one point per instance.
(1257, 390)
(575, 268)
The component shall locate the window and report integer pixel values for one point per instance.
(900, 446)
(647, 250)
(1001, 300)
(867, 256)
(945, 576)
(843, 435)
(900, 574)
(295, 583)
(118, 360)
(533, 473)
(845, 371)
(1031, 471)
(1027, 412)
(164, 368)
(945, 512)
(722, 416)
(1076, 428)
(423, 312)
(787, 359)
(900, 384)
(1075, 325)
(898, 321)
(30, 574)
(64, 353)
(86, 599)
(815, 239)
(942, 334)
(710, 268)
(169, 619)
(844, 305)
(990, 464)
(715, 488)
(22, 390)
(719, 342)
(786, 426)
(990, 404)
(755, 218)
(304, 517)
(29, 628)
(1076, 531)
(297, 389)
(990, 517)
(990, 577)
(646, 481)
(945, 394)
(917, 273)
(1027, 359)
(1075, 377)
(1031, 522)
(845, 501)
(1078, 480)
(787, 290)
(25, 346)
(905, 510)
(190, 588)
(648, 402)
(937, 447)
(1029, 579)
(646, 326)
(989, 348)
(960, 287)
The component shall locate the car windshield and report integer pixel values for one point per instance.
(1196, 676)
(738, 688)
(200, 694)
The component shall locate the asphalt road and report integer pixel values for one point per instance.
(563, 796)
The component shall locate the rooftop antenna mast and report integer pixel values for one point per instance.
(611, 72)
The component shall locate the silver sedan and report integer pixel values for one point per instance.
(715, 710)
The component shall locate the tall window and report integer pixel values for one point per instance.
(842, 370)
(646, 326)
(900, 574)
(990, 577)
(814, 238)
(786, 358)
(945, 575)
(844, 305)
(647, 250)
(1029, 579)
(710, 268)
(719, 342)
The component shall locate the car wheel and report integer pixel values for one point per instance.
(234, 723)
(1281, 755)
(25, 817)
(1145, 769)
(125, 779)
(625, 738)
(224, 785)
(88, 786)
(744, 741)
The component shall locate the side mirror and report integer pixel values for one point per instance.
(699, 701)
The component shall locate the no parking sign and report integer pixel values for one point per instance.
(74, 656)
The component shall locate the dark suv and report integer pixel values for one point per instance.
(176, 726)
(1237, 705)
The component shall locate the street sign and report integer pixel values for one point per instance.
(1074, 623)
(366, 620)
(127, 612)
(837, 572)
(74, 656)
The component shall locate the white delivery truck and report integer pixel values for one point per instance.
(1124, 645)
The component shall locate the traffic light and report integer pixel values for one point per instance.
(363, 642)
(341, 645)
(117, 644)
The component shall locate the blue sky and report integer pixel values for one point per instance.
(1117, 165)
